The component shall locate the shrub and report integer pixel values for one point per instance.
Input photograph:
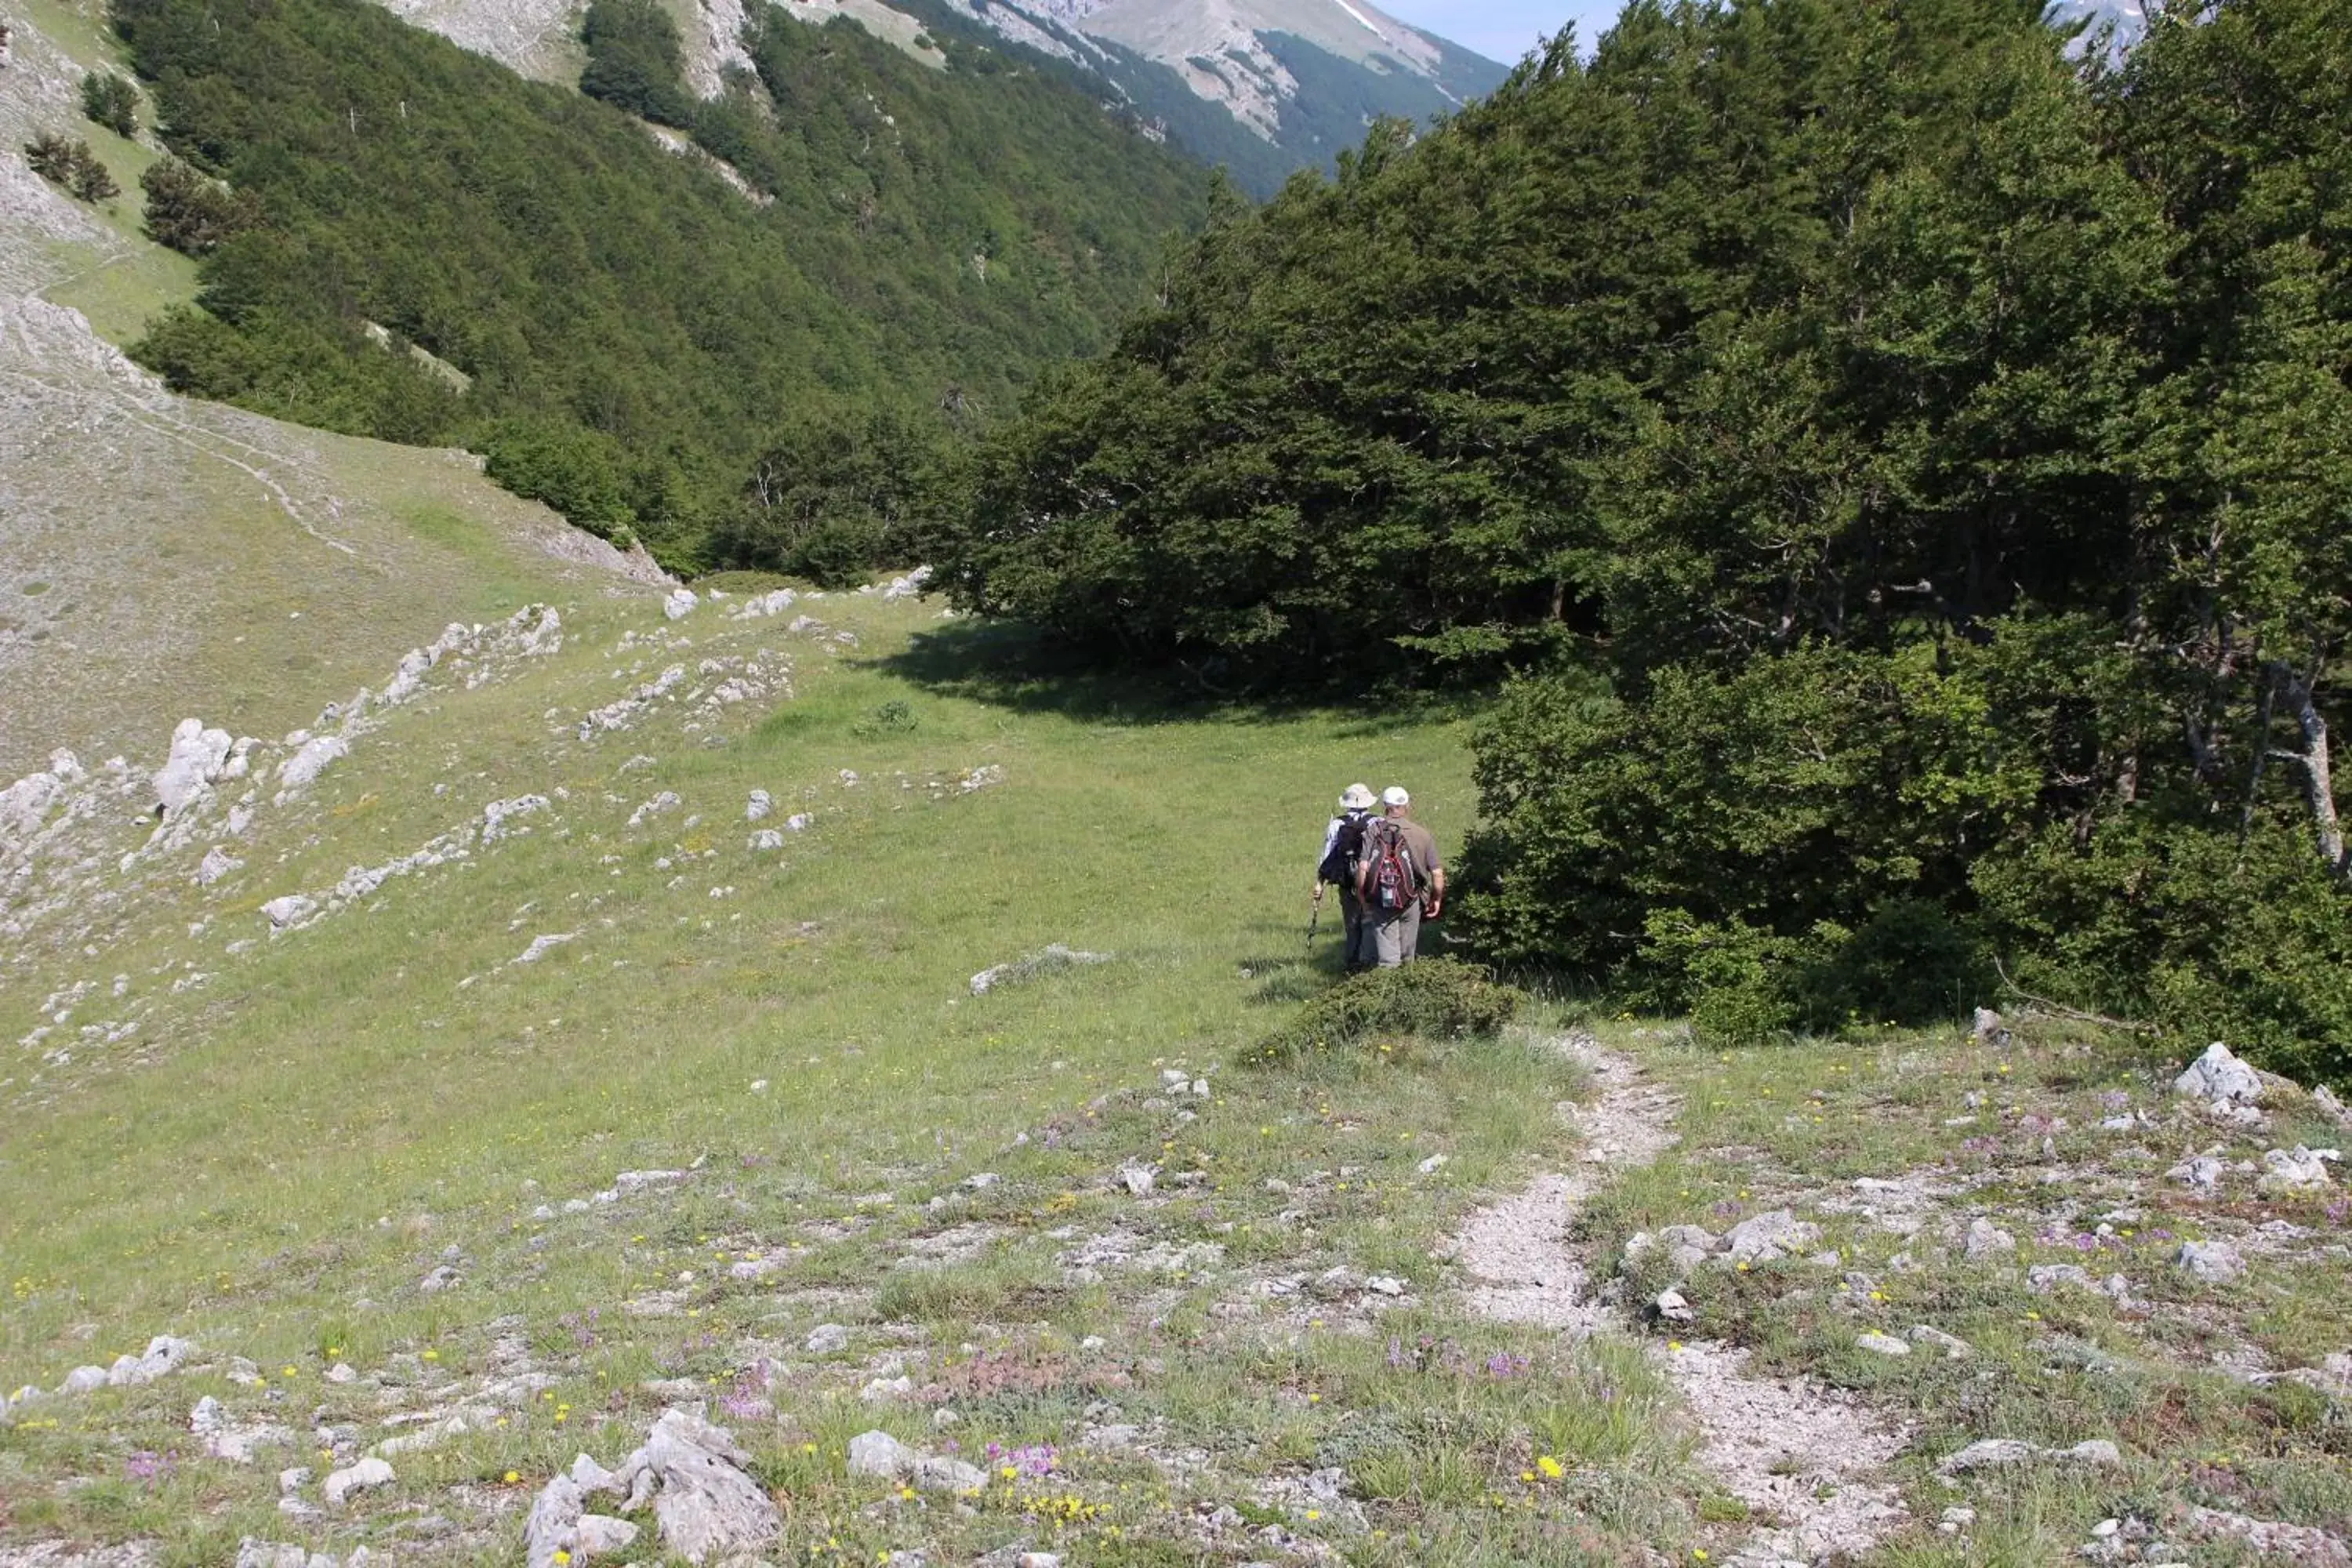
(1428, 999)
(192, 213)
(110, 100)
(67, 161)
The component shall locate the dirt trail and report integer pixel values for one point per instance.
(1801, 1455)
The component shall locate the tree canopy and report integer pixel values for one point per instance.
(1906, 466)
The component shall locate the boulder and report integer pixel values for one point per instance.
(761, 804)
(880, 1455)
(217, 863)
(198, 757)
(1991, 1030)
(83, 1379)
(2219, 1077)
(679, 605)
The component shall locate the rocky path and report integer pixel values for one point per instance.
(1804, 1457)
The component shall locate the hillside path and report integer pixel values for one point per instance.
(1802, 1457)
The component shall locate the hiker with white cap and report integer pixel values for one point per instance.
(1343, 841)
(1400, 878)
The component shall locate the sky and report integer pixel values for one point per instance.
(1505, 29)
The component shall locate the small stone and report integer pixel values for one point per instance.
(828, 1339)
(1430, 1165)
(1671, 1306)
(83, 1379)
(1990, 1029)
(1385, 1285)
(2105, 1528)
(1956, 1520)
(1038, 1560)
(342, 1373)
(2044, 1277)
(1877, 1344)
(981, 1181)
(1136, 1179)
(293, 1480)
(761, 804)
(440, 1280)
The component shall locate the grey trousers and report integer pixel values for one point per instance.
(1395, 939)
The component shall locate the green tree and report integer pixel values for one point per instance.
(109, 100)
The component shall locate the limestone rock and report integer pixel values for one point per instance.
(83, 1379)
(198, 757)
(1990, 1029)
(2219, 1077)
(2008, 1452)
(1136, 1178)
(761, 804)
(879, 1453)
(2044, 1277)
(302, 770)
(2216, 1262)
(767, 841)
(1953, 1347)
(2302, 1171)
(707, 1505)
(1768, 1236)
(1986, 1239)
(163, 1356)
(828, 1339)
(1673, 1308)
(2202, 1173)
(1057, 956)
(1877, 1344)
(679, 605)
(368, 1473)
(217, 863)
(499, 813)
(290, 910)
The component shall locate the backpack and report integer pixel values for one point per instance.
(1391, 881)
(1340, 865)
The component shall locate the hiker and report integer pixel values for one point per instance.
(1399, 880)
(1343, 841)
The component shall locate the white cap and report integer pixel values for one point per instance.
(1395, 796)
(1357, 798)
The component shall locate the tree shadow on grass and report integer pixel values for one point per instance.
(1005, 664)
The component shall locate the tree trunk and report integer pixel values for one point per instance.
(2317, 775)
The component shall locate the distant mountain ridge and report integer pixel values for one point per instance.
(1301, 78)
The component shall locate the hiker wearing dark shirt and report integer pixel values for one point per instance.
(1343, 841)
(1399, 878)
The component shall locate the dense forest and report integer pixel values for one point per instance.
(634, 336)
(1902, 462)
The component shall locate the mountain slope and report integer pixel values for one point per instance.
(635, 329)
(1302, 78)
(160, 556)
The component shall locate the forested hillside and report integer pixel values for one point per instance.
(632, 332)
(1911, 466)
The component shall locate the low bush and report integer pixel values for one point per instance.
(1430, 999)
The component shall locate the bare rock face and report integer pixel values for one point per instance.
(1770, 1237)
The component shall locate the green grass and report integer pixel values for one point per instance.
(291, 1148)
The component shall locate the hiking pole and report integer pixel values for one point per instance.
(1312, 921)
